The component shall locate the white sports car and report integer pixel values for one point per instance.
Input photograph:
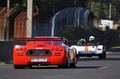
(90, 50)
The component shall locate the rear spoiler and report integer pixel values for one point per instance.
(37, 39)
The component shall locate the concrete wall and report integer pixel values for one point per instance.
(6, 48)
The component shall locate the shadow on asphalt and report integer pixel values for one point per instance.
(87, 67)
(109, 57)
(96, 59)
(77, 67)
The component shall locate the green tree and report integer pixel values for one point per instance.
(3, 3)
(100, 8)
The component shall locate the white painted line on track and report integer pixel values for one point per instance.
(51, 77)
(108, 52)
(103, 68)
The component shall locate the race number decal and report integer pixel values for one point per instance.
(86, 49)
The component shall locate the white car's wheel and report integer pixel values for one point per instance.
(103, 55)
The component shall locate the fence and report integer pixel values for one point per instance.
(7, 16)
(13, 24)
(70, 17)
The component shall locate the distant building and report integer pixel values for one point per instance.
(104, 23)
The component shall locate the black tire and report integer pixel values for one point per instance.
(67, 65)
(29, 66)
(60, 66)
(72, 65)
(100, 56)
(63, 66)
(104, 52)
(19, 67)
(103, 55)
(77, 57)
(74, 58)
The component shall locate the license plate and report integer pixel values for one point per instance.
(39, 60)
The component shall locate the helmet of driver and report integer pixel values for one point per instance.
(91, 38)
(83, 40)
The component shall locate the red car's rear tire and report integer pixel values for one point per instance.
(19, 67)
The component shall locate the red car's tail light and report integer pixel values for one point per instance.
(21, 49)
(60, 49)
(25, 49)
(17, 49)
(52, 49)
(56, 49)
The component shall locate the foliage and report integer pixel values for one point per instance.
(76, 33)
(99, 7)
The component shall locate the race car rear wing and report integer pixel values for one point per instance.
(36, 39)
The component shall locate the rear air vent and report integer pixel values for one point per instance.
(57, 54)
(39, 53)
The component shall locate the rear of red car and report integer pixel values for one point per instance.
(43, 52)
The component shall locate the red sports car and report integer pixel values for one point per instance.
(43, 50)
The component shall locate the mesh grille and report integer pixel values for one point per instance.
(39, 53)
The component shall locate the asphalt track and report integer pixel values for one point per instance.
(87, 68)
